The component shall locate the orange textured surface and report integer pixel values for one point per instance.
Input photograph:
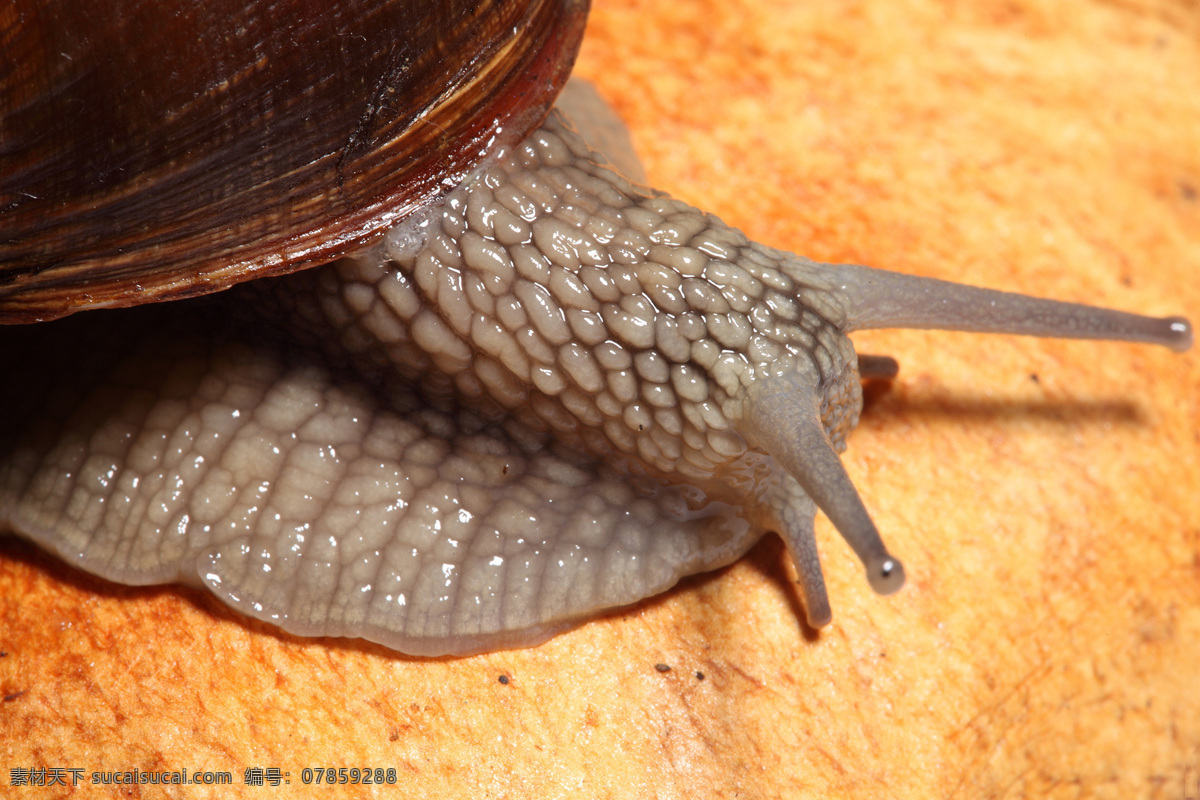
(1045, 496)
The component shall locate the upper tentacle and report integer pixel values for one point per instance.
(878, 299)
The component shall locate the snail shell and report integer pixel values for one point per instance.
(547, 392)
(168, 150)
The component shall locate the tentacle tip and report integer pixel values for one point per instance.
(886, 575)
(1180, 336)
(819, 617)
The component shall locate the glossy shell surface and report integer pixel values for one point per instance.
(162, 150)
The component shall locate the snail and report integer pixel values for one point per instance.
(513, 390)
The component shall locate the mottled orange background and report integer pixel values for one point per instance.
(1045, 496)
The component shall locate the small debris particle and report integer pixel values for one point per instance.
(699, 675)
(662, 667)
(504, 679)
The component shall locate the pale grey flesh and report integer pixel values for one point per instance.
(304, 496)
(555, 394)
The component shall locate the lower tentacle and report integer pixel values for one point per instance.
(878, 367)
(783, 418)
(795, 521)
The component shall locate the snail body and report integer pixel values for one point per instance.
(543, 392)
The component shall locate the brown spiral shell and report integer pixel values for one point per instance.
(163, 150)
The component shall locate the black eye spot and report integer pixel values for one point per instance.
(504, 679)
